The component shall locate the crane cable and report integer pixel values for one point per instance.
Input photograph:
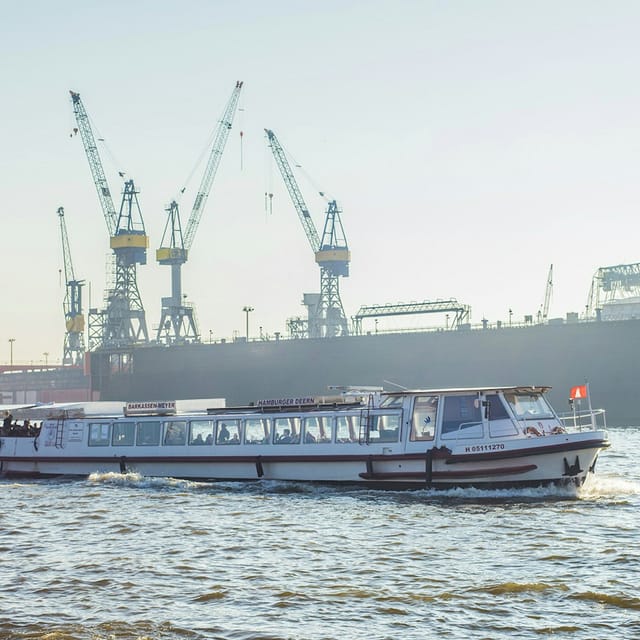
(99, 138)
(299, 168)
(196, 166)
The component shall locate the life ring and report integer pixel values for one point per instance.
(531, 430)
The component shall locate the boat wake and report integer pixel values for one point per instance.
(597, 488)
(609, 487)
(283, 487)
(133, 479)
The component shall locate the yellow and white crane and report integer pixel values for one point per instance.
(73, 350)
(177, 321)
(122, 322)
(326, 317)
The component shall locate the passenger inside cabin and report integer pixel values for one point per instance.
(198, 439)
(223, 434)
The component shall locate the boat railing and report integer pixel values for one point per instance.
(286, 408)
(585, 420)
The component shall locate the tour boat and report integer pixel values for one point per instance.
(436, 438)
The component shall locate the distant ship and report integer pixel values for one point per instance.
(604, 353)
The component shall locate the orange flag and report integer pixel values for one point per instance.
(578, 392)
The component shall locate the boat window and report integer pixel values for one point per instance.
(500, 422)
(228, 432)
(425, 409)
(175, 432)
(286, 431)
(392, 401)
(317, 430)
(201, 432)
(257, 430)
(346, 429)
(99, 434)
(461, 412)
(495, 410)
(124, 434)
(148, 433)
(384, 428)
(529, 406)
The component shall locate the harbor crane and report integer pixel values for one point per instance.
(122, 323)
(544, 312)
(326, 317)
(177, 321)
(73, 350)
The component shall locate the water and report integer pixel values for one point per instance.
(119, 558)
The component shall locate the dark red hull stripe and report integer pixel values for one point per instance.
(444, 475)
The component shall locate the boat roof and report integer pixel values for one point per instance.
(103, 409)
(15, 407)
(511, 389)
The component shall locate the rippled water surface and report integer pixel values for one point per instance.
(127, 557)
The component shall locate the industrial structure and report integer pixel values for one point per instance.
(459, 314)
(615, 293)
(122, 322)
(325, 313)
(177, 322)
(74, 348)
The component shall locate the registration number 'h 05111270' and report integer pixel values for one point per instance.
(477, 448)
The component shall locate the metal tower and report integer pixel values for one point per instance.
(122, 323)
(73, 350)
(177, 321)
(326, 314)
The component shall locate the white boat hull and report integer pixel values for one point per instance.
(567, 458)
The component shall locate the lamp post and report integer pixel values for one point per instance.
(46, 358)
(11, 341)
(247, 311)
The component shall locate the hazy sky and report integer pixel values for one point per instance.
(470, 145)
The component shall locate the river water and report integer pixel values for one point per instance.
(125, 557)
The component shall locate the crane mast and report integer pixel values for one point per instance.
(547, 295)
(177, 321)
(122, 322)
(294, 191)
(326, 317)
(73, 348)
(95, 164)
